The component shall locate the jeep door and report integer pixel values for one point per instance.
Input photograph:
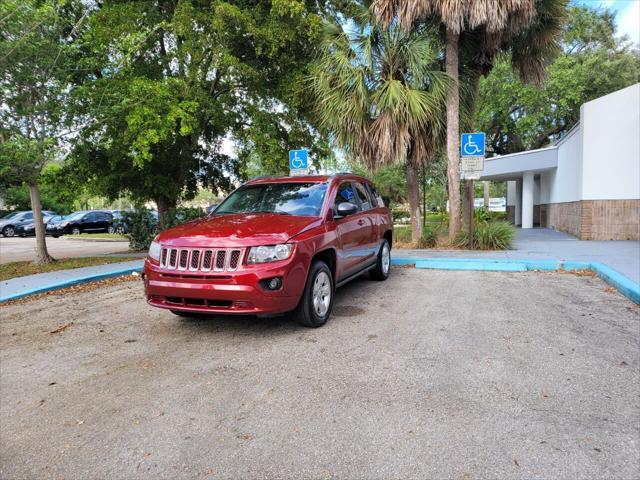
(354, 232)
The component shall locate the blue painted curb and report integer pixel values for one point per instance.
(72, 282)
(624, 285)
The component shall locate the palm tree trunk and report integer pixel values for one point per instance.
(42, 255)
(453, 134)
(413, 192)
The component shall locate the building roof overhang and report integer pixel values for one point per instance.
(513, 166)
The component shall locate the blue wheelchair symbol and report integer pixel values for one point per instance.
(472, 145)
(298, 159)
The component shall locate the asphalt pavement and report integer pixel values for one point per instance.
(16, 249)
(432, 374)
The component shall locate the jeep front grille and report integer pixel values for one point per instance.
(201, 259)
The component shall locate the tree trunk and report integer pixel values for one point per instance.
(42, 255)
(164, 204)
(485, 185)
(413, 192)
(453, 135)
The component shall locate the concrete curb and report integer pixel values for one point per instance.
(70, 283)
(625, 286)
(85, 239)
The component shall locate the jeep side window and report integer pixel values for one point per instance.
(365, 203)
(376, 199)
(345, 193)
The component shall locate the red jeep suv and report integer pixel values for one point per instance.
(275, 245)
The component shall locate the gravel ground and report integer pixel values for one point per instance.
(432, 374)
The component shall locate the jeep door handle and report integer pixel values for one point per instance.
(360, 222)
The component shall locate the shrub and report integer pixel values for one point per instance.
(141, 227)
(490, 235)
(402, 235)
(485, 215)
(142, 224)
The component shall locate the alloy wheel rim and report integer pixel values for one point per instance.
(386, 259)
(321, 294)
(10, 232)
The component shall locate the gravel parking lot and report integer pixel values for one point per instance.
(430, 375)
(16, 249)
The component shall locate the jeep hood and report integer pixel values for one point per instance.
(237, 230)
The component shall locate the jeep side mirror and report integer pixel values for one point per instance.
(346, 208)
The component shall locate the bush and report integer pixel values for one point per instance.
(485, 215)
(402, 235)
(489, 235)
(141, 227)
(142, 224)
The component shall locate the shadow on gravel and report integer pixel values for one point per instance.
(351, 293)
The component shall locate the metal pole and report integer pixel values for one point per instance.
(469, 193)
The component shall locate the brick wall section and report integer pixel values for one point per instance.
(565, 217)
(611, 219)
(594, 219)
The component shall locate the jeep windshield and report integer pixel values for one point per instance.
(283, 198)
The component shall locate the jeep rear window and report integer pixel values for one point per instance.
(286, 198)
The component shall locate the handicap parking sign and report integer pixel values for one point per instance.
(472, 144)
(298, 159)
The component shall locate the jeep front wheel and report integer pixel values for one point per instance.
(316, 301)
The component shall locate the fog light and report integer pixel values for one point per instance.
(275, 283)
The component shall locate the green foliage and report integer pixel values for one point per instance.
(142, 225)
(389, 181)
(164, 85)
(593, 63)
(486, 215)
(488, 235)
(402, 236)
(379, 92)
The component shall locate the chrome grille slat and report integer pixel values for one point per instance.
(201, 259)
(194, 263)
(221, 256)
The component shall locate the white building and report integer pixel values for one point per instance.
(586, 184)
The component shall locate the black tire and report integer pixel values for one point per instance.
(55, 236)
(306, 314)
(8, 231)
(76, 231)
(381, 273)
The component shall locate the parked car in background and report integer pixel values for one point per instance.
(119, 224)
(28, 228)
(9, 223)
(53, 223)
(91, 221)
(275, 245)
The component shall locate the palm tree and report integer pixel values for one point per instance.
(527, 28)
(380, 95)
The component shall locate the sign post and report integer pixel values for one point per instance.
(472, 162)
(298, 162)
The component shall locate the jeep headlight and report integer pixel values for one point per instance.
(270, 253)
(154, 251)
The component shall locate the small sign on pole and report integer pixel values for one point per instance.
(298, 162)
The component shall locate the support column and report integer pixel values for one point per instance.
(527, 200)
(517, 218)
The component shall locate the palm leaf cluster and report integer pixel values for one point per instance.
(527, 28)
(379, 92)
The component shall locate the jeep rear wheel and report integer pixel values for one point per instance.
(316, 301)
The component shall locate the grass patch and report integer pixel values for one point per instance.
(110, 236)
(20, 269)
